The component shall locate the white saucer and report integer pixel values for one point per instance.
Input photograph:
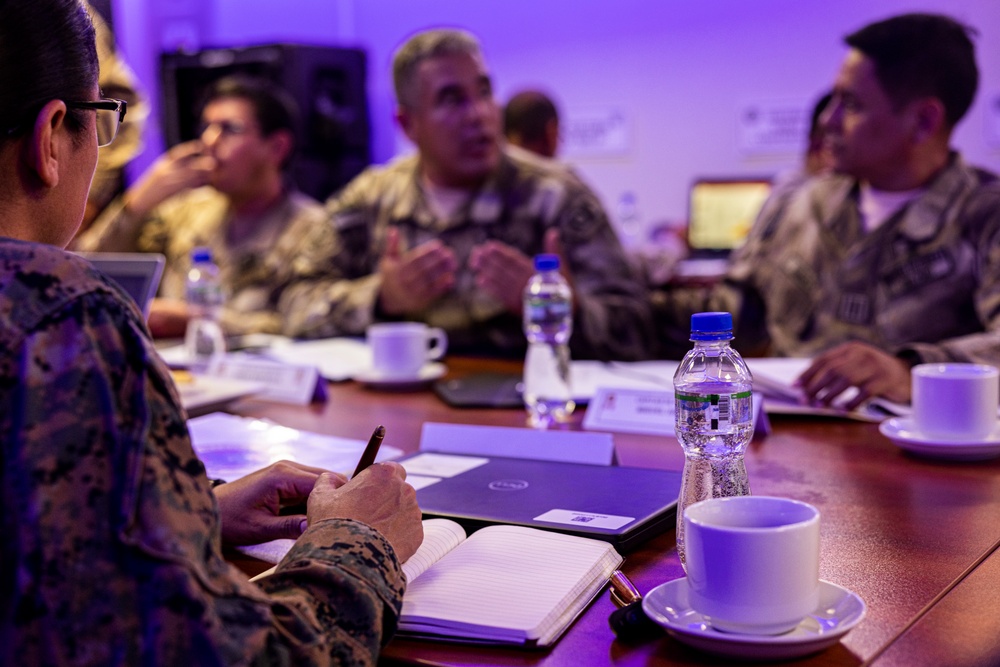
(428, 373)
(838, 611)
(903, 432)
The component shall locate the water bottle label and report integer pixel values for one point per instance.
(540, 310)
(717, 413)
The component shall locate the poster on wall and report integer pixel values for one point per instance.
(772, 127)
(596, 133)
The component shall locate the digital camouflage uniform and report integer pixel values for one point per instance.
(253, 270)
(111, 549)
(924, 285)
(522, 199)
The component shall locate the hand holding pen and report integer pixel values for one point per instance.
(377, 496)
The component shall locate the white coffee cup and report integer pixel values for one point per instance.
(400, 349)
(752, 562)
(955, 400)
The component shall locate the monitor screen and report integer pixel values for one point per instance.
(723, 211)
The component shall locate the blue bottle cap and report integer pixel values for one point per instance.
(711, 326)
(201, 254)
(546, 262)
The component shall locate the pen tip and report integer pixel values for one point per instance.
(380, 430)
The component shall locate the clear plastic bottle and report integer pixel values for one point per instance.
(548, 324)
(714, 416)
(205, 299)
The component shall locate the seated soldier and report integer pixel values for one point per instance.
(447, 236)
(226, 190)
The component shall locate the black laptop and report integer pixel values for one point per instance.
(624, 506)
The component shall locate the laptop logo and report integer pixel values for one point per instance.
(508, 485)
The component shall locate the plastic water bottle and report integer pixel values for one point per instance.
(548, 323)
(204, 339)
(713, 400)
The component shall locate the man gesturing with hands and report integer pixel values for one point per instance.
(446, 236)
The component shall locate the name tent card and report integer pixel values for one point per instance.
(645, 411)
(285, 383)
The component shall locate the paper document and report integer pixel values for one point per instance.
(775, 378)
(232, 447)
(338, 359)
(586, 377)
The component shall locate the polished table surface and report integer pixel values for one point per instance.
(915, 538)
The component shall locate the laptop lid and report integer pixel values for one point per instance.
(138, 273)
(721, 212)
(624, 506)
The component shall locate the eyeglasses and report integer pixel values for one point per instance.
(110, 114)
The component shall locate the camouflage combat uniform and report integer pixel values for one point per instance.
(253, 270)
(519, 202)
(924, 285)
(111, 548)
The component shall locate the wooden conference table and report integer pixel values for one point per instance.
(916, 539)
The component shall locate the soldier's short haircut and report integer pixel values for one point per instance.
(922, 55)
(421, 47)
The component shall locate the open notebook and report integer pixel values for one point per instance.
(501, 585)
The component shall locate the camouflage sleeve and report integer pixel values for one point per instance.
(982, 218)
(613, 318)
(337, 285)
(112, 552)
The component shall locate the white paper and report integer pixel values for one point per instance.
(441, 465)
(232, 447)
(586, 377)
(338, 359)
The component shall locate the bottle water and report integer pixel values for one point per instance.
(203, 338)
(713, 403)
(548, 323)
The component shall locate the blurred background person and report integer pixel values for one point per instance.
(227, 190)
(118, 81)
(447, 236)
(531, 122)
(889, 260)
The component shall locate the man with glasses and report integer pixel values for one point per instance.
(226, 190)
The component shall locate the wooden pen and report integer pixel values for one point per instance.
(371, 450)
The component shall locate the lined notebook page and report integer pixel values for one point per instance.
(510, 584)
(440, 537)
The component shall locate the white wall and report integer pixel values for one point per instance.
(680, 71)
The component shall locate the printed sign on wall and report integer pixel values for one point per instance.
(596, 133)
(768, 127)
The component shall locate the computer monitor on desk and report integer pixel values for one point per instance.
(721, 212)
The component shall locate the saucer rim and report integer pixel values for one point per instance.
(765, 646)
(895, 429)
(907, 424)
(429, 372)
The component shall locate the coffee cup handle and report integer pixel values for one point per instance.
(438, 343)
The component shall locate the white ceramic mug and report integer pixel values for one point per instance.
(956, 401)
(752, 562)
(400, 349)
